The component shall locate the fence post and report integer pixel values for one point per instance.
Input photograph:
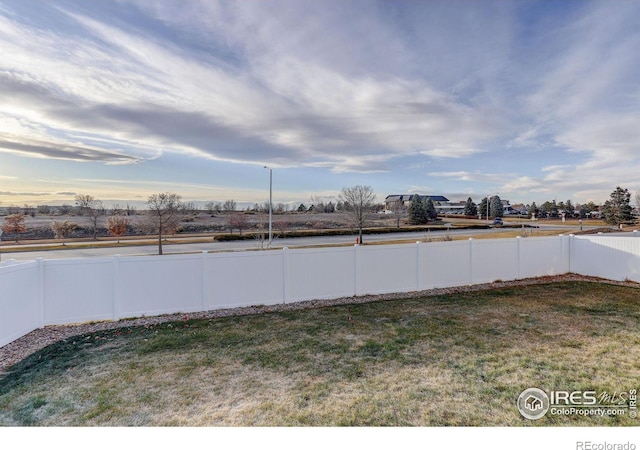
(356, 270)
(41, 293)
(518, 256)
(116, 288)
(418, 271)
(470, 260)
(285, 274)
(571, 244)
(203, 272)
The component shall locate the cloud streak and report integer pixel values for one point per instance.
(351, 87)
(284, 108)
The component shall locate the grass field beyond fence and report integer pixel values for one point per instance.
(460, 359)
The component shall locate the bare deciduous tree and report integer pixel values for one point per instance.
(84, 202)
(238, 220)
(116, 210)
(358, 200)
(62, 230)
(92, 207)
(229, 206)
(213, 207)
(282, 226)
(29, 210)
(399, 210)
(118, 225)
(189, 208)
(261, 236)
(14, 224)
(163, 214)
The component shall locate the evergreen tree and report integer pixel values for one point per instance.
(417, 211)
(617, 210)
(482, 208)
(495, 207)
(533, 209)
(470, 208)
(584, 210)
(569, 209)
(549, 209)
(544, 210)
(430, 209)
(592, 206)
(554, 208)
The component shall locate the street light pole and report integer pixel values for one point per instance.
(270, 204)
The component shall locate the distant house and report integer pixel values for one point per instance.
(392, 201)
(594, 214)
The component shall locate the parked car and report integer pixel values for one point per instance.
(497, 222)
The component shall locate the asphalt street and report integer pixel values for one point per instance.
(76, 251)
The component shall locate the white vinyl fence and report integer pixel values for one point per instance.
(47, 292)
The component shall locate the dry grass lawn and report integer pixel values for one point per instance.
(459, 359)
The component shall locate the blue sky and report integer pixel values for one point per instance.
(122, 99)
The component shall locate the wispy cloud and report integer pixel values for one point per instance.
(282, 108)
(366, 87)
(467, 176)
(22, 194)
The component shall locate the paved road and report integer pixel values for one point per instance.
(186, 247)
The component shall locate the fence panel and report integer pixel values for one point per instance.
(611, 257)
(78, 290)
(493, 260)
(19, 301)
(444, 264)
(158, 285)
(321, 273)
(543, 256)
(386, 268)
(244, 279)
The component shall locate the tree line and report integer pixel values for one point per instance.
(165, 211)
(615, 211)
